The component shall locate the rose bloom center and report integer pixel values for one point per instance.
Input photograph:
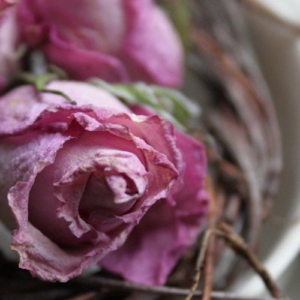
(81, 198)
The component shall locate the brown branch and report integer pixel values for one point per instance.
(96, 282)
(240, 246)
(199, 263)
(265, 12)
(214, 214)
(240, 147)
(208, 269)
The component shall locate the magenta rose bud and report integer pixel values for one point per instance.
(9, 43)
(116, 40)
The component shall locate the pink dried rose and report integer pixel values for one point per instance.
(9, 44)
(156, 244)
(80, 178)
(116, 40)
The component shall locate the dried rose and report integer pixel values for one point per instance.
(156, 244)
(9, 43)
(117, 40)
(78, 178)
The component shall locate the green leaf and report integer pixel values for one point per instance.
(40, 81)
(168, 103)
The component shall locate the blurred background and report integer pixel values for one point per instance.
(274, 28)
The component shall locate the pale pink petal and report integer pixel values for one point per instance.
(22, 106)
(26, 156)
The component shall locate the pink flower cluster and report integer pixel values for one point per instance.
(96, 182)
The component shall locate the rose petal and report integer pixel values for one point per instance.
(88, 63)
(158, 59)
(22, 106)
(156, 244)
(97, 25)
(26, 156)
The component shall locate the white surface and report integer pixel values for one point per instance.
(288, 9)
(278, 51)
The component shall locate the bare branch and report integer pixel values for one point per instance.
(96, 282)
(199, 263)
(240, 246)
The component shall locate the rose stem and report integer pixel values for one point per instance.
(94, 283)
(208, 269)
(241, 247)
(199, 263)
(213, 218)
(206, 250)
(59, 93)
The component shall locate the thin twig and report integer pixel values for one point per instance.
(241, 148)
(242, 248)
(264, 11)
(213, 218)
(96, 282)
(199, 263)
(208, 269)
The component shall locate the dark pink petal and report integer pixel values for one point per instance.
(78, 37)
(88, 64)
(193, 195)
(96, 25)
(156, 244)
